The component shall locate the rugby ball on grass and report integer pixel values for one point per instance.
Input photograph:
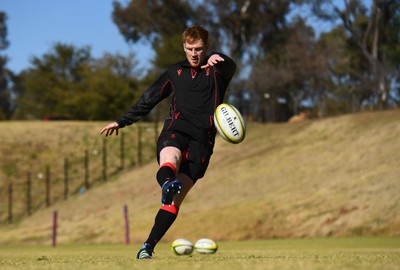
(182, 247)
(205, 246)
(229, 123)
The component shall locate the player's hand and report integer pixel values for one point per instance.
(213, 60)
(110, 128)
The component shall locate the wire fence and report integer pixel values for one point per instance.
(74, 174)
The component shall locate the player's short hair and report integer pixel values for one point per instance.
(194, 33)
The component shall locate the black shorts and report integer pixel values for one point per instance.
(195, 156)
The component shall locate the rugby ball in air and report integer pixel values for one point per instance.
(205, 246)
(182, 247)
(229, 123)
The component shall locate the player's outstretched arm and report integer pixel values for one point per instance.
(110, 128)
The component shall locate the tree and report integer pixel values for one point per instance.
(68, 83)
(46, 88)
(300, 61)
(5, 74)
(248, 28)
(375, 32)
(64, 61)
(331, 69)
(243, 28)
(288, 73)
(109, 86)
(353, 66)
(159, 23)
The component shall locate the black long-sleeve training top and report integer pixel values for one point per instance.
(195, 95)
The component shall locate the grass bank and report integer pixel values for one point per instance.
(336, 177)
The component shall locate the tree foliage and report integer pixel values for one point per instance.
(352, 67)
(285, 66)
(3, 31)
(68, 83)
(288, 74)
(159, 23)
(239, 27)
(373, 34)
(247, 30)
(5, 74)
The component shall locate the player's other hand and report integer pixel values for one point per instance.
(213, 60)
(110, 128)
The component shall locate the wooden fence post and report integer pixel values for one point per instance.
(66, 179)
(87, 185)
(104, 159)
(29, 194)
(139, 145)
(122, 151)
(48, 186)
(10, 203)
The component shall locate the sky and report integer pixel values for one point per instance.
(33, 27)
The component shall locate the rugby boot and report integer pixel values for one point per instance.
(145, 252)
(169, 190)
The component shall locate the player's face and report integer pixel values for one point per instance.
(195, 52)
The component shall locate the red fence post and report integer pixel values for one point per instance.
(54, 239)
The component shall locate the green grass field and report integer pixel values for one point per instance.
(310, 254)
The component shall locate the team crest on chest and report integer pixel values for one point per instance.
(179, 72)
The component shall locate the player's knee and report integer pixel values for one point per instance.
(170, 155)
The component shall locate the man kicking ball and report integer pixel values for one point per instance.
(197, 85)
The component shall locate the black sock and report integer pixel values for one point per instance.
(163, 221)
(166, 172)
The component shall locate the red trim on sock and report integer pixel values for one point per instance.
(170, 208)
(169, 164)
